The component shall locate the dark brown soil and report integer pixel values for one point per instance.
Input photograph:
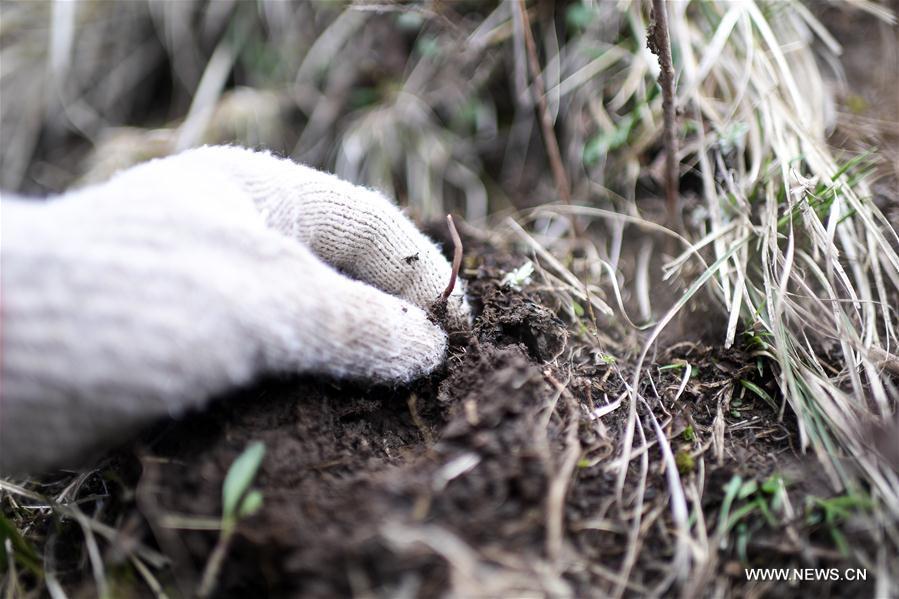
(353, 474)
(447, 484)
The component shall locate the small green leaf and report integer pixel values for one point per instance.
(690, 127)
(760, 392)
(578, 309)
(578, 16)
(251, 504)
(743, 542)
(747, 489)
(738, 514)
(730, 493)
(772, 484)
(839, 539)
(240, 476)
(766, 511)
(607, 141)
(851, 164)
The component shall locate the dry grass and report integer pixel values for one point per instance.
(803, 260)
(443, 110)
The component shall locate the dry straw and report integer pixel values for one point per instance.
(785, 236)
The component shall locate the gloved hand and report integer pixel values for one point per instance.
(184, 277)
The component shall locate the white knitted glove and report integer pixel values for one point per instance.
(187, 276)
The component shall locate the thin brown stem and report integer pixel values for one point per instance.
(457, 257)
(659, 43)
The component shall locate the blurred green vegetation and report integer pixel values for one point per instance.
(429, 102)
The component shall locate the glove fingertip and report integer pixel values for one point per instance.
(422, 348)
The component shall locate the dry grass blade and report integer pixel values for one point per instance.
(814, 247)
(457, 257)
(558, 486)
(563, 185)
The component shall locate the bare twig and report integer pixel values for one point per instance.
(457, 257)
(660, 44)
(546, 124)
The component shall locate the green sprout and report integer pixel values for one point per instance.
(745, 498)
(578, 16)
(832, 513)
(761, 393)
(607, 359)
(606, 141)
(238, 501)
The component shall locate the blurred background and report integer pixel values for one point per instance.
(429, 102)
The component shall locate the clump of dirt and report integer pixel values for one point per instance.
(363, 486)
(509, 319)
